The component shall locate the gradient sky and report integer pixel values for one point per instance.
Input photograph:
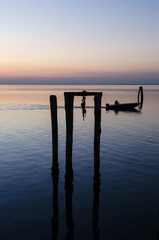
(79, 41)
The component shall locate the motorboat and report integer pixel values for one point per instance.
(127, 106)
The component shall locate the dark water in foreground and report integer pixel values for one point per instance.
(124, 205)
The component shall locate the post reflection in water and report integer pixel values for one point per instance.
(69, 98)
(68, 204)
(95, 209)
(96, 183)
(55, 221)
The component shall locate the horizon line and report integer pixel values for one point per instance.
(113, 84)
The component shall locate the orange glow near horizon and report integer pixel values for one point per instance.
(80, 68)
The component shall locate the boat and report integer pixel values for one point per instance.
(122, 106)
(127, 106)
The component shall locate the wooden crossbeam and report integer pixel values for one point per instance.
(84, 93)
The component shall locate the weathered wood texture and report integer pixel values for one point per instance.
(53, 106)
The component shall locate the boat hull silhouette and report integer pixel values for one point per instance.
(122, 106)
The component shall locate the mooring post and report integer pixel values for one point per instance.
(53, 107)
(69, 98)
(96, 185)
(97, 132)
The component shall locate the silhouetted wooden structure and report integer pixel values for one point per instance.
(69, 101)
(53, 108)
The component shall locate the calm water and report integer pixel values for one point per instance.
(127, 204)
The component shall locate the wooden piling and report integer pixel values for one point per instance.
(97, 132)
(69, 98)
(96, 185)
(53, 107)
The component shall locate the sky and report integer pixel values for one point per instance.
(79, 41)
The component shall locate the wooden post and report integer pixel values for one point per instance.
(69, 133)
(96, 185)
(53, 107)
(97, 132)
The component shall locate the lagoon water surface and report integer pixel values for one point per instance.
(125, 204)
